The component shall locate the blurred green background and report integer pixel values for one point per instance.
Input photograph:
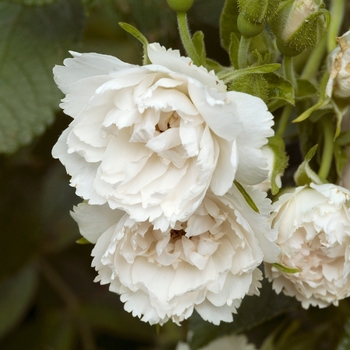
(48, 299)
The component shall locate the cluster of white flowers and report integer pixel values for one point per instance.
(171, 166)
(154, 151)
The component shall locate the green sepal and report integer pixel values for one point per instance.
(82, 240)
(198, 43)
(287, 269)
(140, 37)
(257, 11)
(249, 28)
(228, 23)
(277, 145)
(304, 174)
(246, 196)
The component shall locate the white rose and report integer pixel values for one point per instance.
(339, 68)
(151, 140)
(227, 342)
(208, 263)
(313, 227)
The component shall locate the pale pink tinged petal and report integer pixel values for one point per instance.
(190, 138)
(197, 227)
(93, 220)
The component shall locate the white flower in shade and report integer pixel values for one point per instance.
(207, 263)
(313, 225)
(339, 68)
(227, 342)
(152, 139)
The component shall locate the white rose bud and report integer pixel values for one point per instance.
(313, 225)
(339, 68)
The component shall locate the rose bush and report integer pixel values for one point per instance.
(152, 139)
(207, 263)
(313, 225)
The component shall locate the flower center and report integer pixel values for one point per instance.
(176, 234)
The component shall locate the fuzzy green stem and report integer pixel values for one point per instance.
(288, 71)
(243, 50)
(71, 301)
(185, 36)
(337, 10)
(315, 60)
(283, 121)
(328, 147)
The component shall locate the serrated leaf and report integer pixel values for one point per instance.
(253, 311)
(228, 23)
(16, 294)
(32, 41)
(304, 174)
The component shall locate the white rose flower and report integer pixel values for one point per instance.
(313, 227)
(208, 263)
(152, 139)
(227, 342)
(339, 68)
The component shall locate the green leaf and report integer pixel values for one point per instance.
(304, 174)
(252, 84)
(246, 196)
(228, 23)
(229, 76)
(322, 100)
(305, 89)
(16, 294)
(253, 311)
(140, 37)
(32, 41)
(279, 88)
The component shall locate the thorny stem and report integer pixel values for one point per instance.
(71, 301)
